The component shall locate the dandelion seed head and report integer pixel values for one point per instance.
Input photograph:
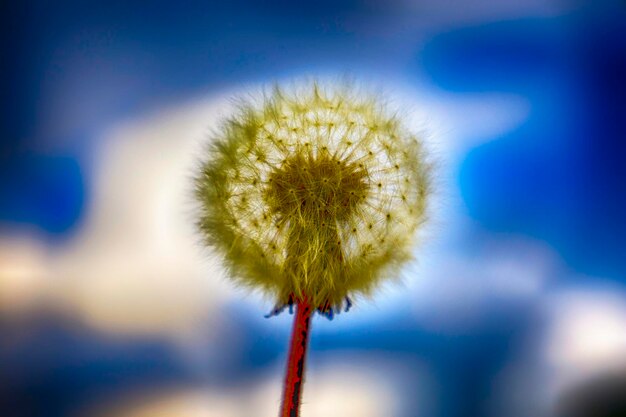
(314, 194)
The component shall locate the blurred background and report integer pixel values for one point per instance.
(109, 305)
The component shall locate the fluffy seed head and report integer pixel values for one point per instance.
(313, 194)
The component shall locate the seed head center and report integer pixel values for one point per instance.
(317, 189)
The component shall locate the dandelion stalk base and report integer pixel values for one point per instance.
(294, 377)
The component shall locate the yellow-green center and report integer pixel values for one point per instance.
(316, 189)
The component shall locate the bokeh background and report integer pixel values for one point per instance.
(109, 306)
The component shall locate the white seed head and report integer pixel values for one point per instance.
(316, 194)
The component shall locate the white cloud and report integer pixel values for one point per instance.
(24, 275)
(452, 289)
(581, 336)
(586, 335)
(136, 264)
(346, 386)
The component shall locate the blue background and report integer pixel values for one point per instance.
(558, 177)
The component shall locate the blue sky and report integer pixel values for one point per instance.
(545, 194)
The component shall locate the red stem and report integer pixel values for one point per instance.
(295, 365)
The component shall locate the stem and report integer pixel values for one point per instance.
(295, 365)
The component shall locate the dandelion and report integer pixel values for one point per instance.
(313, 196)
